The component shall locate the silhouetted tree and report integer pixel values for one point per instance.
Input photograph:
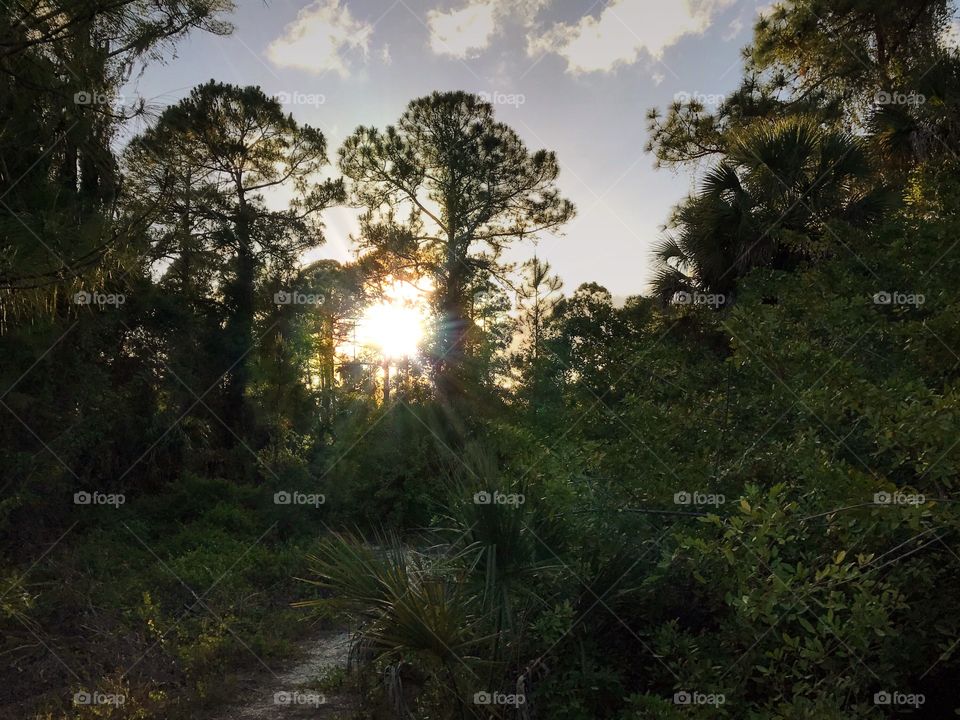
(209, 160)
(769, 203)
(463, 186)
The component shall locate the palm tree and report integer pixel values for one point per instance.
(768, 203)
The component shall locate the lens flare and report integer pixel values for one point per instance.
(395, 326)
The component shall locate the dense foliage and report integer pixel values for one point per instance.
(733, 498)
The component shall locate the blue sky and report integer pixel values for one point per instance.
(574, 77)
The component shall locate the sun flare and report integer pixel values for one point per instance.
(395, 326)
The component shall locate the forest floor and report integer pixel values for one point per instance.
(301, 690)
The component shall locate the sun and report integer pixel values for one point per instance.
(395, 330)
(395, 326)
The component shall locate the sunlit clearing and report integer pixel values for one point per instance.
(395, 326)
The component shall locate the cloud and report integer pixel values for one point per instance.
(624, 30)
(320, 39)
(734, 29)
(951, 36)
(462, 33)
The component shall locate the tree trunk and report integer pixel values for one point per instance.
(386, 382)
(240, 332)
(450, 374)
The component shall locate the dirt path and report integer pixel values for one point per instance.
(296, 692)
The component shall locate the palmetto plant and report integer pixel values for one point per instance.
(455, 605)
(406, 600)
(769, 203)
(410, 605)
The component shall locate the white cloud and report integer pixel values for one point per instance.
(734, 29)
(951, 36)
(624, 30)
(524, 11)
(320, 39)
(765, 9)
(464, 32)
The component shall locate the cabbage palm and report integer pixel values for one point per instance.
(768, 203)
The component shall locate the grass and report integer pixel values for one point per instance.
(161, 601)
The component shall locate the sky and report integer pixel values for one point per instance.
(572, 76)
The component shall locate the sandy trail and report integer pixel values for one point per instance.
(293, 693)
